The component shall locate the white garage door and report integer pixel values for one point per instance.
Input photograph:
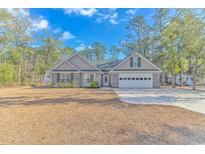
(135, 80)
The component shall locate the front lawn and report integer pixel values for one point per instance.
(91, 116)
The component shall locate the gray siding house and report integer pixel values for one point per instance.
(133, 72)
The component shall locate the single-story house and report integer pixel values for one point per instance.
(187, 80)
(133, 72)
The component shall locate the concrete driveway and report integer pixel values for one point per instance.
(189, 99)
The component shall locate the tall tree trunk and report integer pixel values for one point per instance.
(173, 80)
(46, 64)
(180, 77)
(19, 70)
(162, 79)
(194, 78)
(195, 73)
(194, 83)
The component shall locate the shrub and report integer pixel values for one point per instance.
(94, 84)
(33, 84)
(65, 85)
(37, 84)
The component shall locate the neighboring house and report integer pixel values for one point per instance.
(133, 72)
(166, 79)
(187, 80)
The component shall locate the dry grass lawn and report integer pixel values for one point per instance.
(86, 116)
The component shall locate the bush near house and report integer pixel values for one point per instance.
(65, 85)
(39, 85)
(94, 84)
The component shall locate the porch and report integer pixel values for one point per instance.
(79, 79)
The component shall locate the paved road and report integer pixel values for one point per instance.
(189, 99)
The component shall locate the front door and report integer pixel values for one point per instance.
(105, 80)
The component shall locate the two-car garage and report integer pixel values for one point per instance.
(135, 80)
(135, 72)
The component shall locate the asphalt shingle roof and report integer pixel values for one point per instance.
(108, 65)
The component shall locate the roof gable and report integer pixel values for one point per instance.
(65, 65)
(82, 64)
(145, 64)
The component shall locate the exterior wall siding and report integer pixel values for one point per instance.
(79, 79)
(65, 66)
(81, 63)
(114, 80)
(126, 64)
(86, 68)
(156, 80)
(76, 79)
(83, 81)
(98, 78)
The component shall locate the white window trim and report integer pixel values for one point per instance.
(135, 65)
(67, 77)
(88, 78)
(64, 77)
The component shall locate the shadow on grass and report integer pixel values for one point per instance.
(27, 101)
(168, 135)
(67, 100)
(11, 100)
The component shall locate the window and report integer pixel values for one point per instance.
(149, 78)
(62, 77)
(133, 78)
(67, 78)
(120, 78)
(125, 78)
(145, 78)
(141, 78)
(137, 78)
(58, 77)
(128, 78)
(89, 77)
(135, 62)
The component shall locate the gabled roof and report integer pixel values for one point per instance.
(65, 60)
(87, 61)
(106, 66)
(139, 56)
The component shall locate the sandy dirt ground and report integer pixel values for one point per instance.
(87, 116)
